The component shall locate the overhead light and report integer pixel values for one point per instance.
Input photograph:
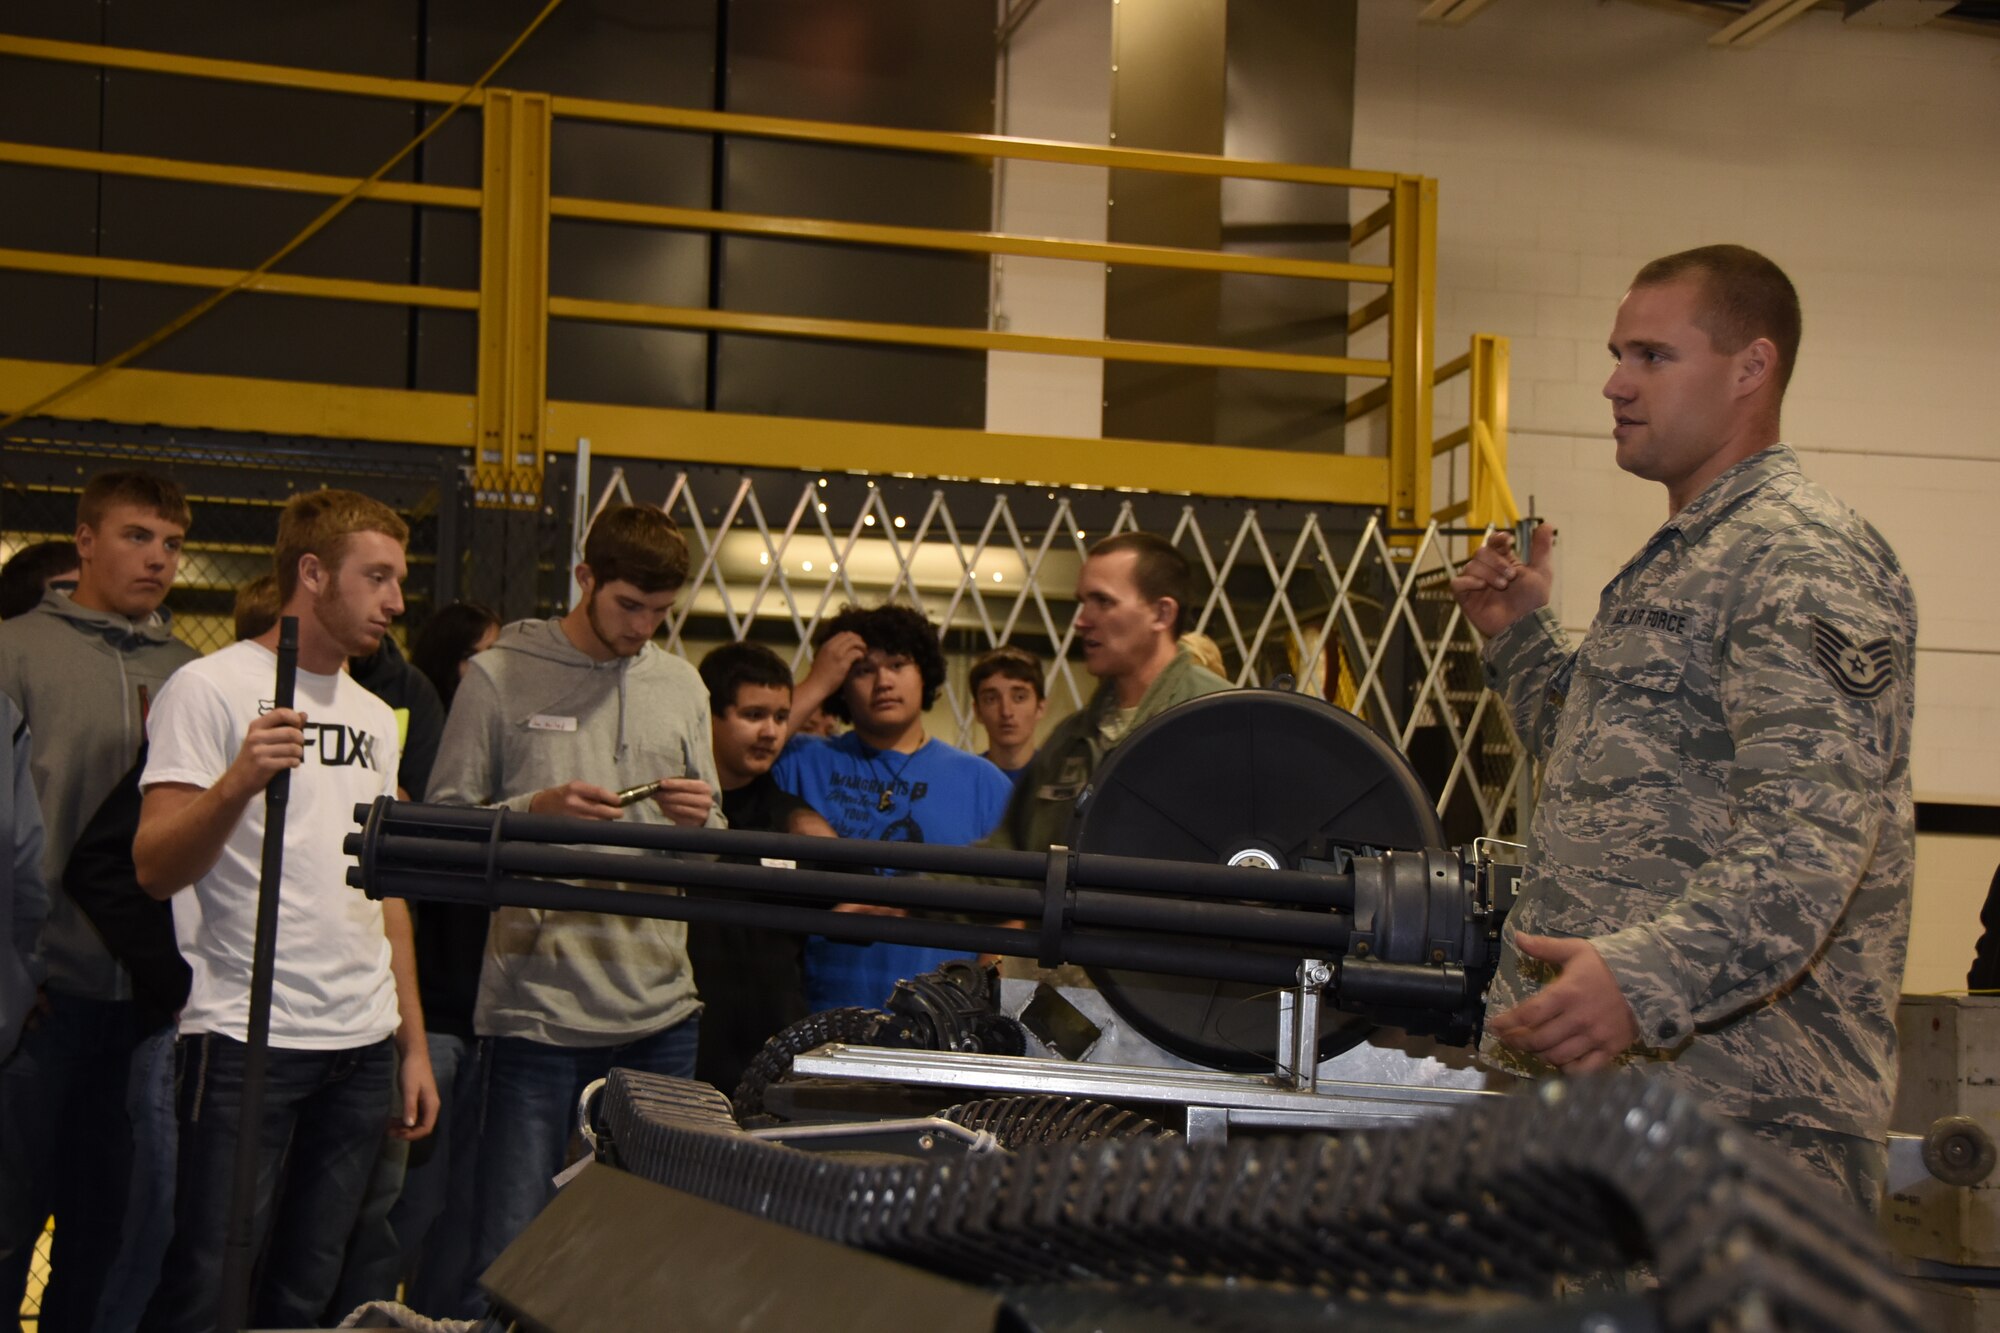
(763, 557)
(899, 520)
(833, 566)
(822, 482)
(806, 565)
(868, 520)
(822, 506)
(996, 576)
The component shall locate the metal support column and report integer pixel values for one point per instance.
(1486, 469)
(513, 300)
(1413, 257)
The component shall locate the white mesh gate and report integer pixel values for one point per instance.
(1326, 595)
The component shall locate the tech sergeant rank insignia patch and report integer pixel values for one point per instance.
(1863, 670)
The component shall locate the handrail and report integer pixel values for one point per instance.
(514, 304)
(277, 284)
(218, 173)
(703, 121)
(931, 335)
(971, 145)
(1489, 500)
(232, 71)
(700, 219)
(975, 242)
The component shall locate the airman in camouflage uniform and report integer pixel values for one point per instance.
(1132, 598)
(1725, 817)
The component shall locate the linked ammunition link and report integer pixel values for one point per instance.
(1580, 1177)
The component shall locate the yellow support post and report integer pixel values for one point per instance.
(512, 396)
(1492, 501)
(1413, 257)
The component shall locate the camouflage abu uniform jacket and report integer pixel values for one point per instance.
(1039, 813)
(1725, 808)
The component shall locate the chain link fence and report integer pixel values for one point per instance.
(235, 486)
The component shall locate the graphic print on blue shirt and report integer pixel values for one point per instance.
(938, 794)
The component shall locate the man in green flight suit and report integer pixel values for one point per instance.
(1720, 860)
(1132, 596)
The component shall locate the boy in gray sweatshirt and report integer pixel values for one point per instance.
(83, 667)
(558, 717)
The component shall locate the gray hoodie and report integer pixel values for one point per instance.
(84, 679)
(534, 712)
(24, 903)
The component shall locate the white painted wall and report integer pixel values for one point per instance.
(1954, 873)
(1057, 73)
(1573, 143)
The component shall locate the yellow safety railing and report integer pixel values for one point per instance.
(512, 424)
(1489, 500)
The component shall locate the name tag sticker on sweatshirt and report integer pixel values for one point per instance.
(544, 722)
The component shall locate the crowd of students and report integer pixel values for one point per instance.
(425, 1060)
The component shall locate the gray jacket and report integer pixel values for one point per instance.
(24, 900)
(533, 713)
(84, 679)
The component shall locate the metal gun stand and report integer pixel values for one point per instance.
(1211, 1102)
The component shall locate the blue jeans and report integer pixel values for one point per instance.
(531, 1092)
(66, 1149)
(149, 1206)
(323, 1119)
(414, 1185)
(433, 1220)
(371, 1270)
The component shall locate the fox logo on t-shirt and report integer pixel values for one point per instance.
(334, 744)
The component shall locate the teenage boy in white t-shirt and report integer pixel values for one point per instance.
(344, 981)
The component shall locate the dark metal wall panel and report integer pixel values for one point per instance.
(922, 64)
(622, 50)
(250, 125)
(1167, 92)
(55, 105)
(913, 62)
(1290, 99)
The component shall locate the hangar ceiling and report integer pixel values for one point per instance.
(1742, 23)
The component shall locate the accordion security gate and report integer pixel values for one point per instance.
(1347, 607)
(1333, 597)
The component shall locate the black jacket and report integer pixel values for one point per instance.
(137, 928)
(1985, 973)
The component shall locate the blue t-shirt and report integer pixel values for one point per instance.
(1013, 775)
(937, 794)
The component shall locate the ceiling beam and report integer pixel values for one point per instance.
(1894, 13)
(1761, 22)
(1451, 13)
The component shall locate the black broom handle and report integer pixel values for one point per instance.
(240, 1249)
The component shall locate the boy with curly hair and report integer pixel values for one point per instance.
(880, 669)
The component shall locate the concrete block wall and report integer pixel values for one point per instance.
(1056, 84)
(1574, 143)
